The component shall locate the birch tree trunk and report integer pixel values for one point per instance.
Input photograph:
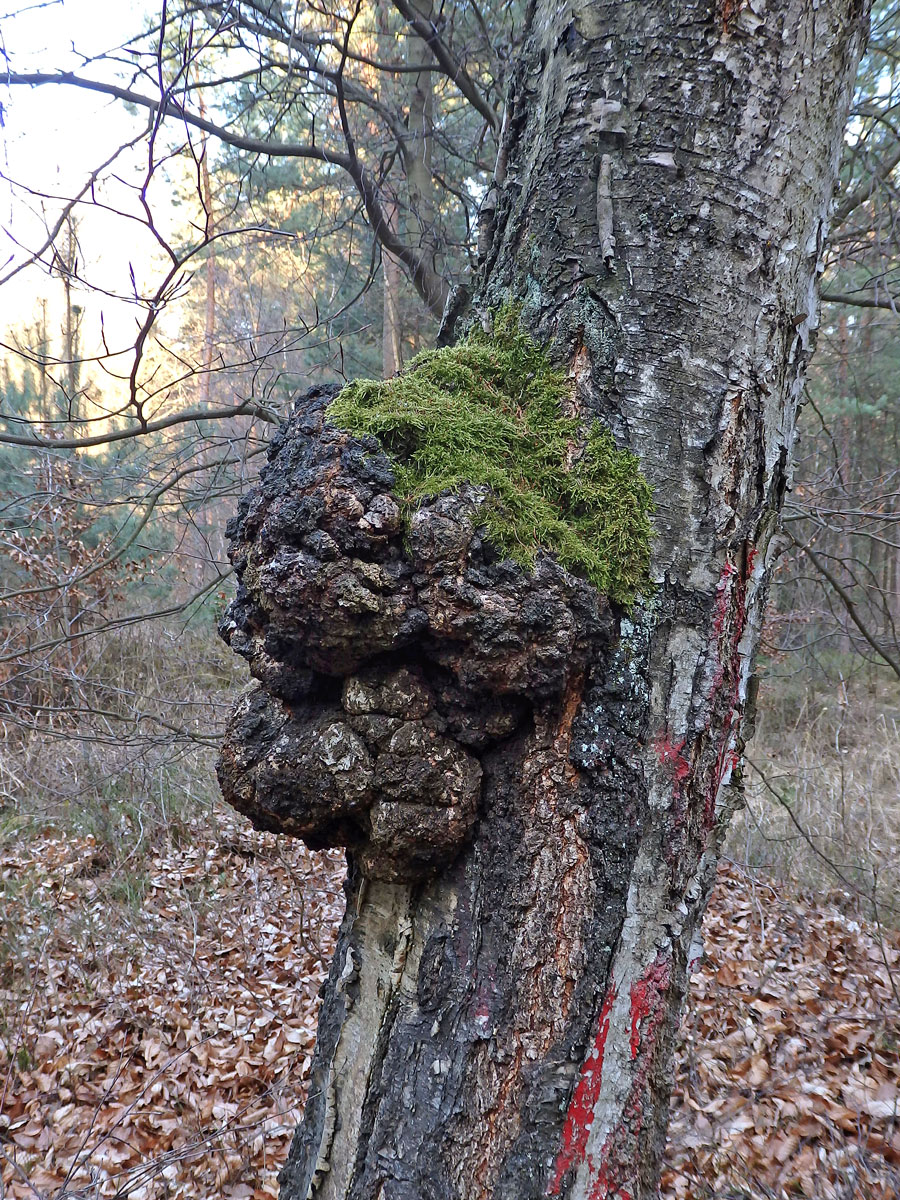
(503, 1028)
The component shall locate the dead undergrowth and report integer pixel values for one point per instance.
(823, 786)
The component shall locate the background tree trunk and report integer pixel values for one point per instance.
(505, 1029)
(391, 333)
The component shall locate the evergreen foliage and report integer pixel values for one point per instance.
(488, 411)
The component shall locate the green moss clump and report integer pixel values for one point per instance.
(488, 411)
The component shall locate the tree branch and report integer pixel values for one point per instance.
(249, 408)
(172, 108)
(861, 301)
(454, 70)
(430, 286)
(864, 191)
(848, 603)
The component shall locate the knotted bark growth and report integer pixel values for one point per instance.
(388, 660)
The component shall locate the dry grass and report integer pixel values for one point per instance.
(136, 722)
(823, 789)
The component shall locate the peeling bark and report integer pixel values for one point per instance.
(499, 1017)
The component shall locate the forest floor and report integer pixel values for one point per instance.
(165, 1055)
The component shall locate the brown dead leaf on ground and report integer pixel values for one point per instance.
(159, 1048)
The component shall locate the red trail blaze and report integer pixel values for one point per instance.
(727, 759)
(616, 1168)
(670, 754)
(647, 997)
(580, 1114)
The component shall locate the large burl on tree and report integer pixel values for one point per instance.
(396, 643)
(424, 662)
(390, 661)
(476, 670)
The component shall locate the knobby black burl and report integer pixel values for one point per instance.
(389, 658)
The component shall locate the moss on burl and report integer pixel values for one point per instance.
(488, 412)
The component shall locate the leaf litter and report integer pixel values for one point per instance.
(787, 1076)
(170, 1059)
(164, 1054)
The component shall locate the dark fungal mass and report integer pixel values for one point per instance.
(390, 654)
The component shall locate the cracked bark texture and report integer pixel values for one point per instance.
(530, 782)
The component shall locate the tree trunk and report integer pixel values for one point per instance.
(391, 350)
(501, 1024)
(419, 148)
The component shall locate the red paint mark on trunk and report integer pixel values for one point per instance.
(617, 1169)
(670, 754)
(580, 1114)
(728, 11)
(726, 762)
(603, 1189)
(646, 998)
(729, 625)
(722, 596)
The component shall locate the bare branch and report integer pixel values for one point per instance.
(248, 408)
(866, 189)
(169, 107)
(428, 32)
(861, 301)
(848, 603)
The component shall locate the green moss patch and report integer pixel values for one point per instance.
(488, 411)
